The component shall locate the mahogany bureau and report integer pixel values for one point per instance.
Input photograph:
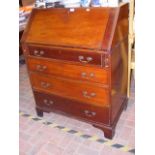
(77, 63)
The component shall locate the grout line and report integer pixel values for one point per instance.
(107, 142)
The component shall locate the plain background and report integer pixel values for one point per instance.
(144, 77)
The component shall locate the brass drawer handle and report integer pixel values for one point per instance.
(38, 53)
(92, 75)
(50, 102)
(45, 84)
(84, 74)
(87, 95)
(106, 61)
(41, 68)
(89, 113)
(88, 59)
(42, 52)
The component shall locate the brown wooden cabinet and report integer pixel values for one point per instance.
(77, 63)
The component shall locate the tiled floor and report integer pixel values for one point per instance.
(39, 139)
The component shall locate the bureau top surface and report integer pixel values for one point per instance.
(81, 28)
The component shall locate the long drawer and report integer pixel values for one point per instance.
(74, 108)
(82, 91)
(82, 56)
(77, 72)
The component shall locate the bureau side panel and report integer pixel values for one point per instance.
(121, 29)
(118, 22)
(119, 64)
(119, 70)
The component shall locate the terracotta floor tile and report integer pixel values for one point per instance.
(53, 149)
(84, 150)
(71, 149)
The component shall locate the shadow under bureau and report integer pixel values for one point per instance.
(77, 62)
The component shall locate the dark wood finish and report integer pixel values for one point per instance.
(63, 48)
(121, 31)
(108, 130)
(81, 28)
(119, 60)
(39, 112)
(67, 70)
(110, 30)
(20, 3)
(49, 102)
(82, 57)
(20, 47)
(86, 92)
(117, 23)
(75, 108)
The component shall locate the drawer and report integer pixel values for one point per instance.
(82, 91)
(77, 72)
(83, 111)
(49, 102)
(91, 113)
(82, 57)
